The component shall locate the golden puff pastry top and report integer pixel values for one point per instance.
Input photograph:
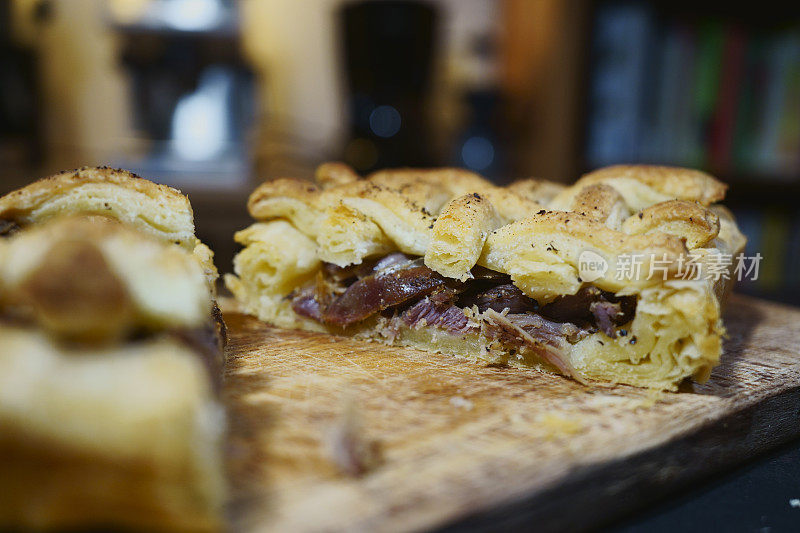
(155, 209)
(93, 278)
(533, 230)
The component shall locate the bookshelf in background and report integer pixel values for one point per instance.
(674, 83)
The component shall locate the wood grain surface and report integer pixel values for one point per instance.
(450, 443)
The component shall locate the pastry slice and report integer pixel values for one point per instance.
(530, 274)
(153, 209)
(110, 367)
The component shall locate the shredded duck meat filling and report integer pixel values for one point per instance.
(534, 334)
(401, 286)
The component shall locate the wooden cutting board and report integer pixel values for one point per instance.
(463, 444)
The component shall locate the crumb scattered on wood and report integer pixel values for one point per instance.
(463, 403)
(652, 397)
(348, 446)
(557, 426)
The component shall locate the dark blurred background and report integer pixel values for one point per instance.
(213, 96)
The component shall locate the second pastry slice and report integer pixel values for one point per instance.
(110, 359)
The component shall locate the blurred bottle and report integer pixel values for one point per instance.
(479, 146)
(20, 125)
(388, 52)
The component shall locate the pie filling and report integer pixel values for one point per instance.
(404, 291)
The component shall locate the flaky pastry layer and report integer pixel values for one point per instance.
(157, 210)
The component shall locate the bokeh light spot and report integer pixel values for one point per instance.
(477, 153)
(384, 121)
